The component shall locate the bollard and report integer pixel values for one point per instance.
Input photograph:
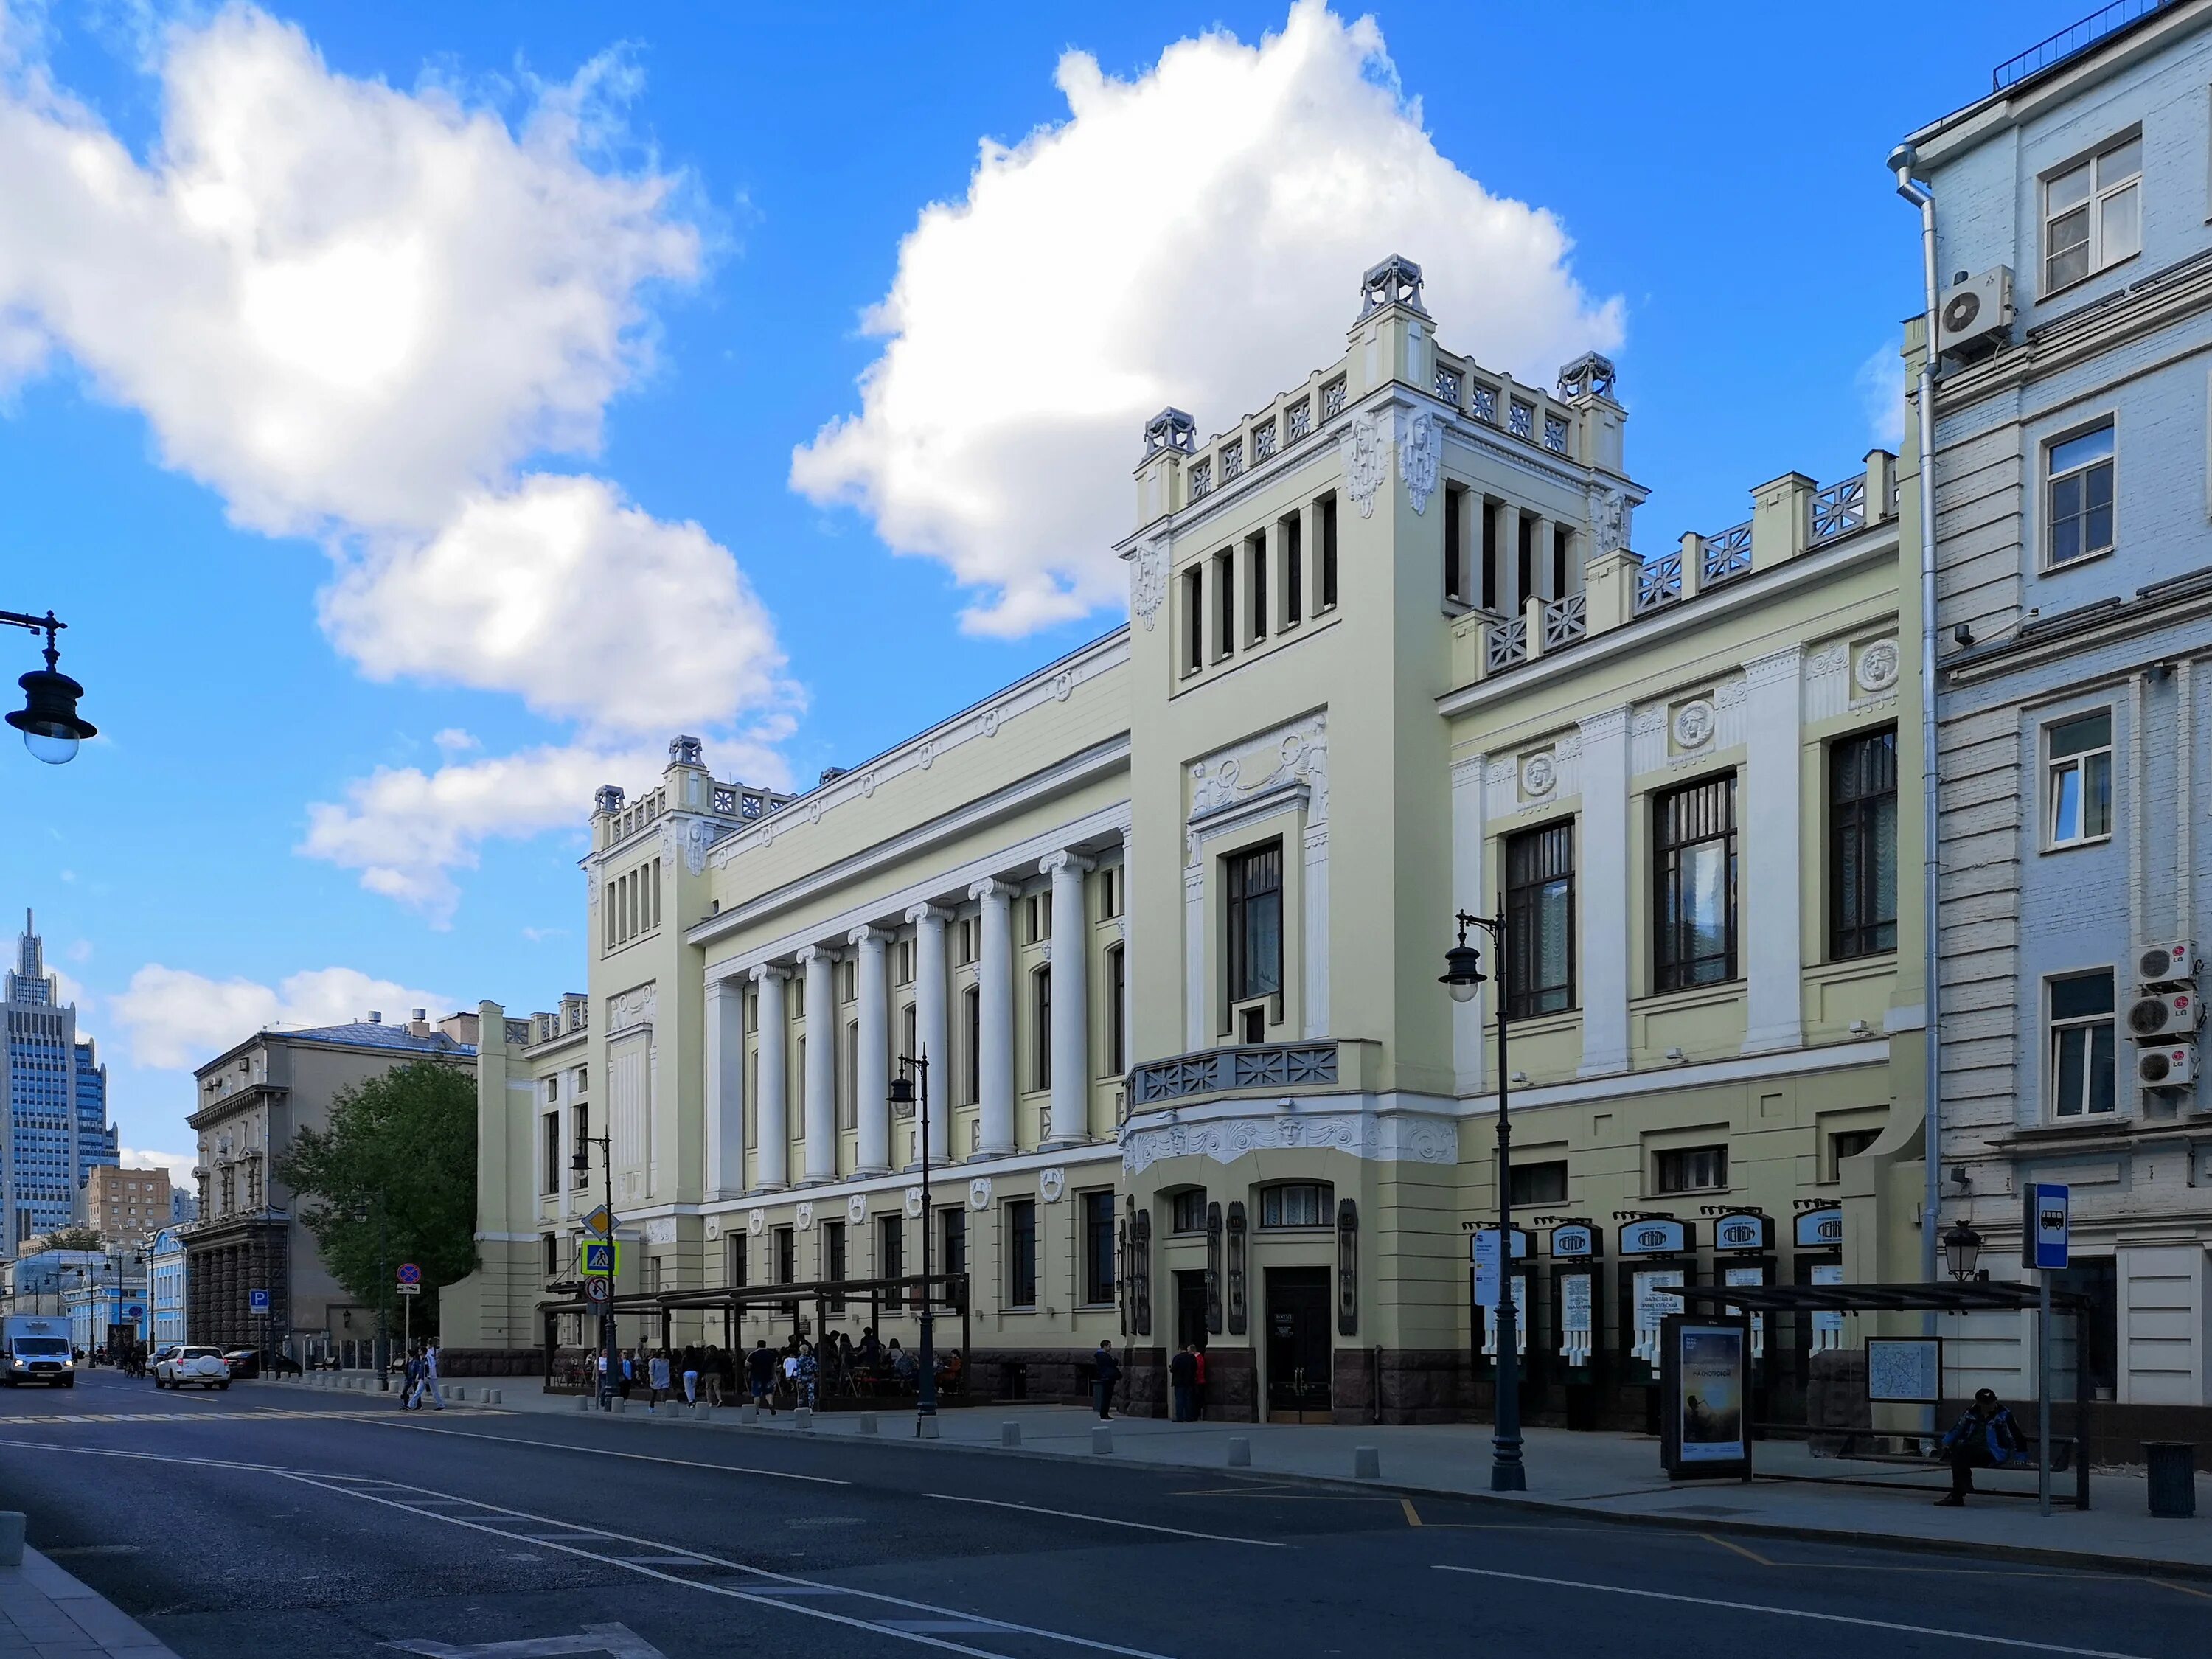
(925, 1428)
(1010, 1434)
(749, 1413)
(1102, 1440)
(2171, 1480)
(620, 1403)
(1239, 1452)
(1366, 1463)
(803, 1419)
(583, 1402)
(11, 1538)
(703, 1412)
(495, 1397)
(868, 1423)
(460, 1391)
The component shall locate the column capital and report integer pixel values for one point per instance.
(810, 954)
(770, 970)
(920, 912)
(869, 934)
(1613, 723)
(1776, 666)
(1053, 863)
(991, 887)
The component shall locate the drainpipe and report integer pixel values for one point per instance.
(1902, 159)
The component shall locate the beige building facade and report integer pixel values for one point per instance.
(128, 1206)
(1167, 918)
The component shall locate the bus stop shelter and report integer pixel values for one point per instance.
(1950, 1296)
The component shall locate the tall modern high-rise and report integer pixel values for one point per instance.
(56, 1101)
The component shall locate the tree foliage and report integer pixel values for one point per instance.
(393, 1179)
(77, 1236)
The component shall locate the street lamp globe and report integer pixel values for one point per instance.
(1962, 1250)
(902, 1095)
(48, 719)
(1463, 973)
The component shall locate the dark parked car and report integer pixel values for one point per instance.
(251, 1363)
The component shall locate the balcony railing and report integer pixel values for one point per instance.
(1565, 620)
(1508, 644)
(1659, 582)
(1270, 1066)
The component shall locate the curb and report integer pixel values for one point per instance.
(2082, 1560)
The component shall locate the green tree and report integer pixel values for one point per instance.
(77, 1236)
(393, 1179)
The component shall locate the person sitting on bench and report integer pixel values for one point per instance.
(1985, 1436)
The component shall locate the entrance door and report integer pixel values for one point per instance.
(1298, 1355)
(1190, 1309)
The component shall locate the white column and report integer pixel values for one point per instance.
(1315, 939)
(1193, 955)
(1769, 928)
(1070, 999)
(725, 1088)
(820, 1118)
(929, 1023)
(1467, 829)
(871, 1080)
(1128, 947)
(1601, 910)
(772, 1159)
(995, 1062)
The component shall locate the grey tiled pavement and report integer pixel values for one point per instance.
(45, 1614)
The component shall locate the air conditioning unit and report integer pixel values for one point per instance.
(2163, 1015)
(1975, 309)
(2172, 1065)
(2165, 963)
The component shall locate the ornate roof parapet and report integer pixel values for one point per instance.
(1171, 430)
(1395, 282)
(1589, 375)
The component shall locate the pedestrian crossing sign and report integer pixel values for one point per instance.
(599, 1258)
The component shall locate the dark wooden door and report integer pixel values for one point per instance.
(1190, 1308)
(1298, 1355)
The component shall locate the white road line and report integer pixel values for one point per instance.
(601, 1451)
(1793, 1612)
(1109, 1520)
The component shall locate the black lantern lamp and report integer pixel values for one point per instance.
(902, 1095)
(1962, 1250)
(48, 719)
(1462, 971)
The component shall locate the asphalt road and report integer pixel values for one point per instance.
(261, 1521)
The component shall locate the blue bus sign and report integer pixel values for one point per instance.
(2044, 1226)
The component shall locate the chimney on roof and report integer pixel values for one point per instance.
(418, 1024)
(376, 1016)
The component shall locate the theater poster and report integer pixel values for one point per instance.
(1705, 1381)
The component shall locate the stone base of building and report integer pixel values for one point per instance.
(491, 1362)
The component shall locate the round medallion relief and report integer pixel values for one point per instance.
(756, 1223)
(1693, 724)
(1538, 773)
(1878, 666)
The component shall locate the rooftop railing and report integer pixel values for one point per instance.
(2077, 37)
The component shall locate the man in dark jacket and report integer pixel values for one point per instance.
(1183, 1383)
(1985, 1436)
(760, 1376)
(1106, 1371)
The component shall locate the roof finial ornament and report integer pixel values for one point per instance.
(1395, 282)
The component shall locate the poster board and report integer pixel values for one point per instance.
(1704, 1380)
(1908, 1369)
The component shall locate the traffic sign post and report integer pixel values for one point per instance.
(598, 1290)
(257, 1302)
(2044, 1243)
(599, 1258)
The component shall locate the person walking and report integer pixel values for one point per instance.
(1182, 1384)
(656, 1379)
(692, 1363)
(428, 1383)
(760, 1376)
(1985, 1436)
(1105, 1372)
(411, 1379)
(806, 1375)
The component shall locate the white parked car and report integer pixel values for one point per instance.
(183, 1367)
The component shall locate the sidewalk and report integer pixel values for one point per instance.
(1613, 1475)
(46, 1614)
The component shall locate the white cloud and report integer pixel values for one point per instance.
(454, 741)
(178, 1164)
(338, 303)
(176, 1018)
(1192, 237)
(562, 593)
(1881, 381)
(406, 830)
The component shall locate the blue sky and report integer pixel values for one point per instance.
(352, 703)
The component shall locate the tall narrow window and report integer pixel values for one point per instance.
(833, 1255)
(787, 1257)
(2079, 780)
(954, 1254)
(890, 1247)
(1492, 512)
(1540, 916)
(1693, 842)
(1041, 1017)
(549, 1181)
(1117, 1009)
(582, 1118)
(1255, 565)
(2093, 214)
(1563, 561)
(1863, 845)
(740, 1265)
(1325, 580)
(1290, 532)
(2081, 1083)
(1224, 605)
(1098, 1247)
(848, 1070)
(1524, 556)
(971, 1046)
(1193, 619)
(910, 1043)
(1021, 1253)
(1455, 554)
(1255, 882)
(2078, 495)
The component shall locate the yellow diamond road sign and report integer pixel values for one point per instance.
(600, 1221)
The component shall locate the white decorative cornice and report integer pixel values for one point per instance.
(1397, 1137)
(1469, 771)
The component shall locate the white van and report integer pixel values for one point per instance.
(34, 1349)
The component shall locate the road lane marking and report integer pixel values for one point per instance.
(1791, 1613)
(1107, 1521)
(602, 1451)
(1748, 1555)
(1412, 1514)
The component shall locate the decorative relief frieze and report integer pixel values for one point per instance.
(633, 1007)
(687, 839)
(660, 1229)
(1397, 1138)
(1363, 450)
(756, 1223)
(1420, 454)
(1877, 668)
(1828, 682)
(979, 1194)
(1148, 582)
(1294, 753)
(1051, 1184)
(856, 1209)
(805, 1216)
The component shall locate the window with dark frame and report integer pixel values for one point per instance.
(1187, 1210)
(1255, 583)
(1539, 920)
(1224, 605)
(1297, 1203)
(1862, 845)
(1690, 1170)
(740, 1265)
(1694, 857)
(1098, 1247)
(1021, 1253)
(953, 1257)
(1848, 1143)
(890, 1247)
(1255, 892)
(787, 1256)
(1194, 623)
(971, 1046)
(1041, 1033)
(1117, 1009)
(1327, 537)
(2081, 1081)
(553, 1256)
(1454, 550)
(1292, 533)
(550, 1183)
(1539, 1183)
(2078, 495)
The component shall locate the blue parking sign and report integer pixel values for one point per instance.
(257, 1302)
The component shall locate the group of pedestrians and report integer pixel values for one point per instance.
(419, 1379)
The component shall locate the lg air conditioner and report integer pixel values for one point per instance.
(2172, 1066)
(2166, 963)
(2163, 1015)
(1974, 309)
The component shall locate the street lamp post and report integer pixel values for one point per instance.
(582, 1164)
(913, 1070)
(48, 719)
(1462, 976)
